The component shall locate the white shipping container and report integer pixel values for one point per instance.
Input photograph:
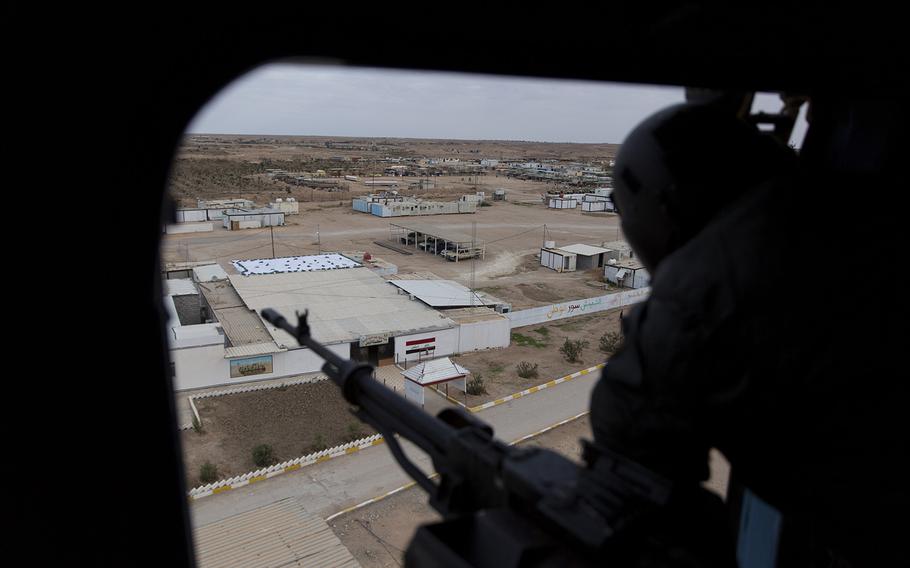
(560, 262)
(560, 203)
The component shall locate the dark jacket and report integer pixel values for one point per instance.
(776, 335)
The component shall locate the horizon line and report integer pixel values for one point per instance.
(394, 138)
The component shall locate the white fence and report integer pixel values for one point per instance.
(573, 308)
(290, 465)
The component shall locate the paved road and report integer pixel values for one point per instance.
(342, 482)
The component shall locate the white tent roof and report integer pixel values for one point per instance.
(435, 371)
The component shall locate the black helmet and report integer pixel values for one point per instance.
(680, 167)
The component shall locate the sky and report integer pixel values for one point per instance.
(334, 100)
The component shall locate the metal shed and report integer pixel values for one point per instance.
(558, 259)
(252, 218)
(451, 245)
(560, 203)
(628, 273)
(587, 256)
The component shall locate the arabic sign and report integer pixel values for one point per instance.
(374, 339)
(576, 307)
(251, 366)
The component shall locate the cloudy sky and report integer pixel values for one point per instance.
(347, 101)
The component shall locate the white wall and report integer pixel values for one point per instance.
(191, 215)
(446, 344)
(188, 228)
(205, 366)
(486, 334)
(573, 308)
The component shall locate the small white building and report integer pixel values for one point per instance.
(557, 259)
(235, 219)
(628, 273)
(191, 215)
(562, 203)
(587, 256)
(287, 206)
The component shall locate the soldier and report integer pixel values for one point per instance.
(724, 355)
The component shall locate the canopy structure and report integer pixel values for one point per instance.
(434, 373)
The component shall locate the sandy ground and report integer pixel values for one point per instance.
(378, 534)
(538, 344)
(294, 420)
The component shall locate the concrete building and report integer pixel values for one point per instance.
(187, 215)
(352, 310)
(235, 219)
(628, 273)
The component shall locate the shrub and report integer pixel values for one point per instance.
(318, 444)
(475, 386)
(355, 432)
(526, 370)
(208, 473)
(572, 349)
(526, 341)
(263, 455)
(610, 341)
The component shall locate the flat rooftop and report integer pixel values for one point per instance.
(305, 263)
(443, 293)
(241, 325)
(440, 233)
(584, 250)
(472, 315)
(343, 304)
(630, 263)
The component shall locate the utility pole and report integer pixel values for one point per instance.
(473, 256)
(272, 235)
(318, 241)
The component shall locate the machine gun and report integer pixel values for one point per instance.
(502, 505)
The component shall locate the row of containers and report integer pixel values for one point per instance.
(600, 200)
